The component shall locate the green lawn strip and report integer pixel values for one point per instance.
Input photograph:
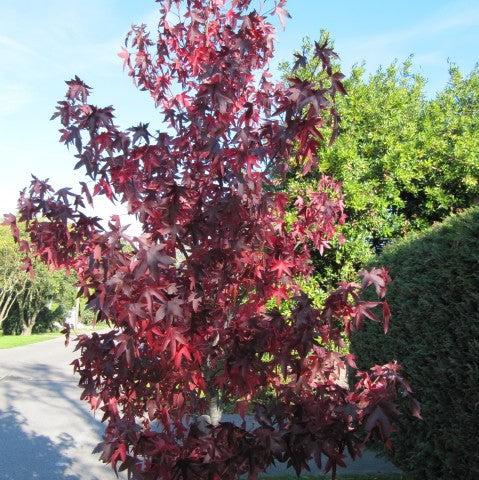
(371, 476)
(12, 341)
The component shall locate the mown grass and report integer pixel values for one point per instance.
(12, 341)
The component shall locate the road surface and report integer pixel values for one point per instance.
(47, 433)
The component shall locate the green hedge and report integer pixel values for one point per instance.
(435, 336)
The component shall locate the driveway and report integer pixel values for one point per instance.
(47, 433)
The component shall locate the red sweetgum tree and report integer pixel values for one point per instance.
(192, 299)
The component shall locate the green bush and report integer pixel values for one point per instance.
(49, 319)
(405, 160)
(434, 334)
(87, 315)
(12, 325)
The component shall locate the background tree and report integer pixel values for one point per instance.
(23, 297)
(45, 292)
(188, 300)
(12, 278)
(404, 160)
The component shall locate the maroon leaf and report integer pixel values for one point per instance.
(189, 294)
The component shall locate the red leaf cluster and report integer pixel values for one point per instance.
(188, 297)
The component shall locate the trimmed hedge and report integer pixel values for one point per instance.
(434, 334)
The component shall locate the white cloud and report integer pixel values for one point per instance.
(12, 44)
(13, 98)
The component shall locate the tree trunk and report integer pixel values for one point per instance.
(212, 419)
(215, 410)
(77, 312)
(6, 304)
(28, 324)
(26, 329)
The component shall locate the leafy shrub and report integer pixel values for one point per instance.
(49, 318)
(87, 315)
(434, 297)
(12, 325)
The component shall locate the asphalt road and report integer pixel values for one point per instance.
(47, 433)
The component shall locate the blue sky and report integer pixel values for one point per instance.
(43, 43)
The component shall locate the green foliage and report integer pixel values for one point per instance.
(10, 274)
(30, 304)
(434, 297)
(86, 315)
(12, 324)
(405, 161)
(49, 318)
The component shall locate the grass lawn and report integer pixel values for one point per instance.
(11, 341)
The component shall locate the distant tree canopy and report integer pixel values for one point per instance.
(405, 160)
(28, 303)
